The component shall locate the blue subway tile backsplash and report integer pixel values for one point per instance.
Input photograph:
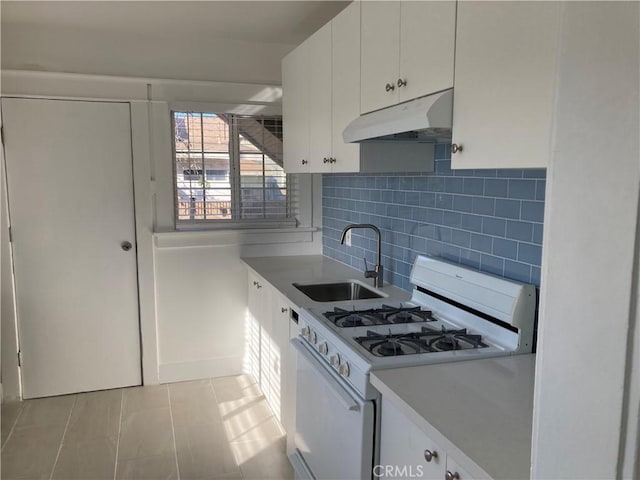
(486, 219)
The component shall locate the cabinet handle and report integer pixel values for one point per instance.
(325, 160)
(455, 148)
(304, 162)
(284, 309)
(389, 87)
(452, 476)
(402, 83)
(429, 455)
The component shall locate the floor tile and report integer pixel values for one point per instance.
(91, 460)
(143, 398)
(204, 452)
(31, 452)
(235, 388)
(263, 459)
(95, 415)
(146, 433)
(194, 406)
(161, 467)
(186, 386)
(249, 419)
(41, 412)
(10, 412)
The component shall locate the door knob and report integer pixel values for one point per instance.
(126, 246)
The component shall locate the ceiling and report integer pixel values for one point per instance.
(280, 22)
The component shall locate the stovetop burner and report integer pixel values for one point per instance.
(427, 340)
(384, 315)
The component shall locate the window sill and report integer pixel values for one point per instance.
(207, 238)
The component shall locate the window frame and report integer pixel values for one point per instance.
(289, 222)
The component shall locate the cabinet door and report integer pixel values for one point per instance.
(455, 468)
(504, 84)
(380, 41)
(319, 45)
(295, 110)
(427, 39)
(256, 322)
(404, 445)
(280, 314)
(345, 86)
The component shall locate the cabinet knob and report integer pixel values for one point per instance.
(429, 455)
(455, 148)
(304, 162)
(389, 87)
(325, 160)
(402, 83)
(332, 160)
(284, 309)
(452, 476)
(258, 285)
(255, 284)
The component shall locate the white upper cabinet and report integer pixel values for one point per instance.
(315, 114)
(407, 51)
(345, 86)
(505, 68)
(295, 110)
(320, 141)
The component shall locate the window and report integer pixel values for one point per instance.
(229, 170)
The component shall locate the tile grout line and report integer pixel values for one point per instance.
(115, 467)
(173, 432)
(66, 427)
(13, 427)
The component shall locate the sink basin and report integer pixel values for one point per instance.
(336, 292)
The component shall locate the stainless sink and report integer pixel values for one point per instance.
(336, 292)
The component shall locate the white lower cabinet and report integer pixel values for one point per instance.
(406, 451)
(270, 359)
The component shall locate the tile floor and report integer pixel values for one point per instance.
(221, 428)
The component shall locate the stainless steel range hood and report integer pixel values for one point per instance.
(423, 119)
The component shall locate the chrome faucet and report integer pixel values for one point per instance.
(378, 272)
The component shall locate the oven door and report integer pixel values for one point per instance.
(334, 425)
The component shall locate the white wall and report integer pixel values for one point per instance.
(193, 285)
(165, 54)
(584, 375)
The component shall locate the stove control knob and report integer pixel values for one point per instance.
(323, 348)
(305, 331)
(430, 455)
(313, 338)
(344, 370)
(335, 360)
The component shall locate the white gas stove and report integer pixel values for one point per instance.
(454, 314)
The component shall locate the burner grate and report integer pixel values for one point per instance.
(385, 315)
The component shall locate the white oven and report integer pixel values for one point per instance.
(334, 424)
(454, 314)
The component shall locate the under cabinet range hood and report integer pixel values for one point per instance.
(422, 119)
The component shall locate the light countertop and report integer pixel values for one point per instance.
(282, 272)
(478, 410)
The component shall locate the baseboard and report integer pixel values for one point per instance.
(212, 367)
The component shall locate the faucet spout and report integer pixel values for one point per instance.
(378, 272)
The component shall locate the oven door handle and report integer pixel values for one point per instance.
(345, 397)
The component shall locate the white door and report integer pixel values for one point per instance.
(69, 173)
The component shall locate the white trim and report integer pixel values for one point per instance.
(213, 367)
(233, 237)
(105, 87)
(141, 148)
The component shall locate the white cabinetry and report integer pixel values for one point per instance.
(407, 51)
(295, 110)
(406, 451)
(505, 66)
(321, 83)
(271, 361)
